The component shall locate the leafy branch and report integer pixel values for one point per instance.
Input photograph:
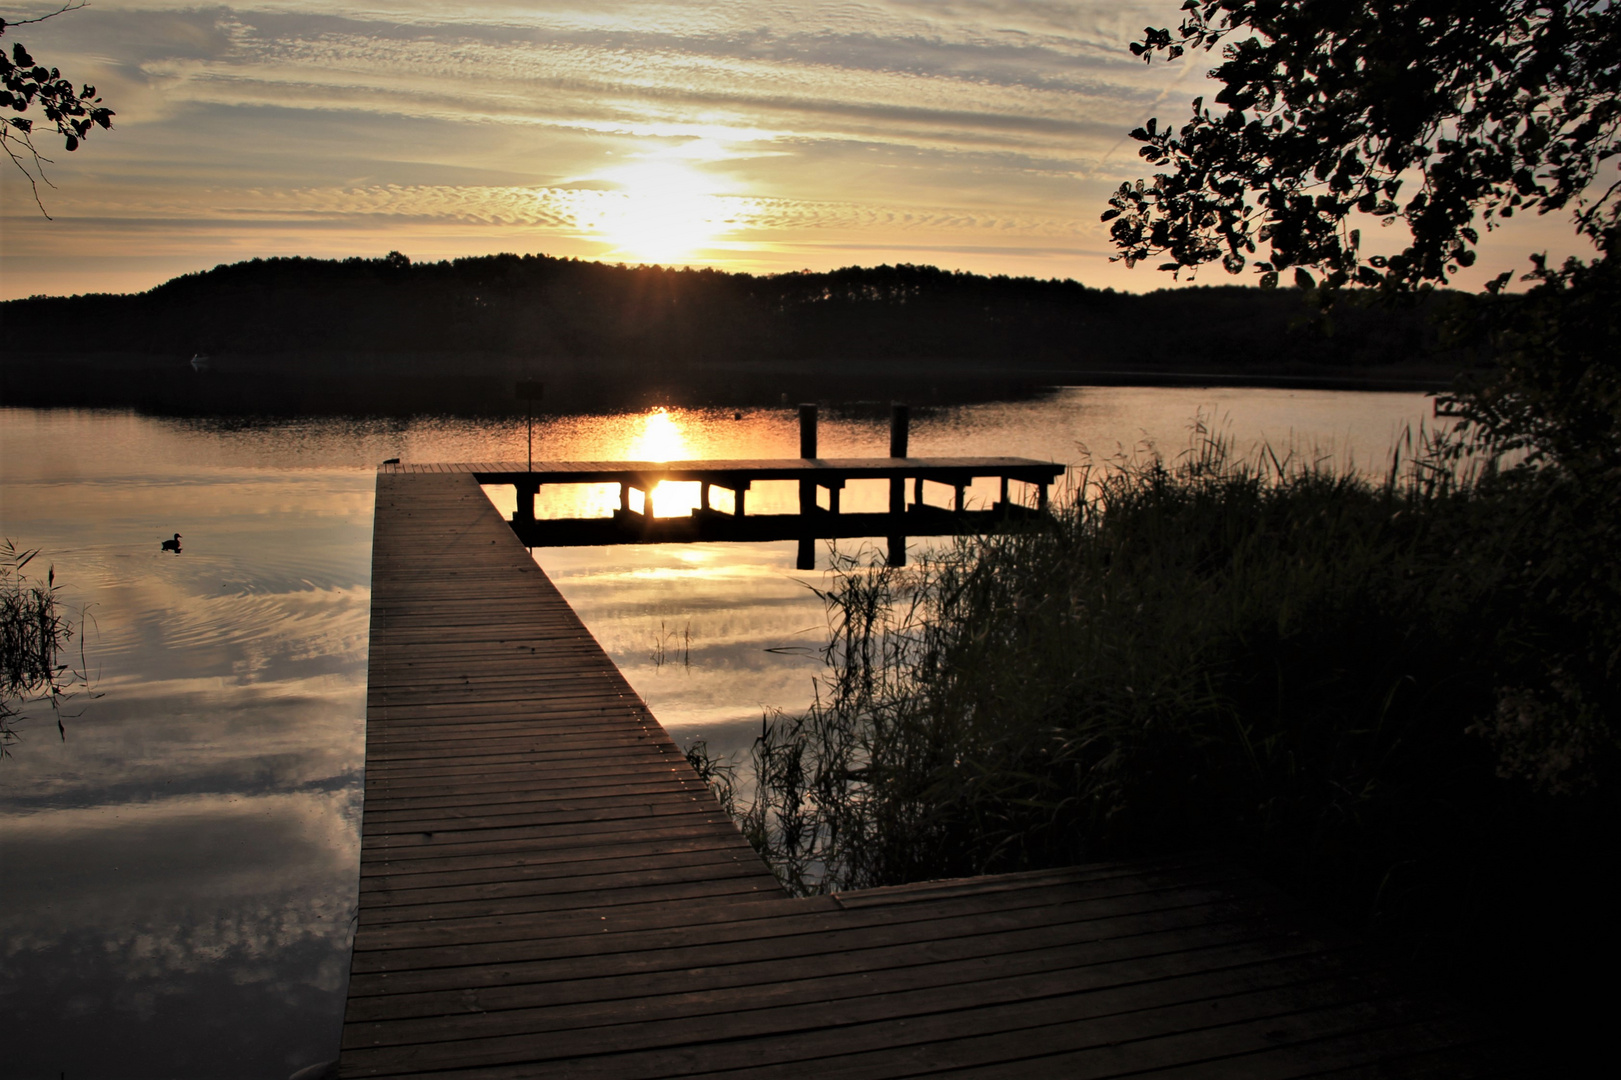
(1423, 112)
(27, 85)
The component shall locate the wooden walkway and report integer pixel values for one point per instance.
(548, 890)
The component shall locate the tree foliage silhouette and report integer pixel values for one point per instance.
(27, 86)
(1442, 115)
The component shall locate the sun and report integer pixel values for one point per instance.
(662, 211)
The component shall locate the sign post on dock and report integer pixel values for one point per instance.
(530, 391)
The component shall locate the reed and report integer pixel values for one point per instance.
(35, 635)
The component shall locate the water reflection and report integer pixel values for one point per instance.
(180, 872)
(711, 635)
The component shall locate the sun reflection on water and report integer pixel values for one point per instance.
(662, 438)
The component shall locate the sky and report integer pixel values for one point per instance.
(764, 136)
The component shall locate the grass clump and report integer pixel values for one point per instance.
(1396, 695)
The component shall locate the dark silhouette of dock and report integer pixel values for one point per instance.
(548, 889)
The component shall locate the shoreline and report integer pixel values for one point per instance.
(482, 384)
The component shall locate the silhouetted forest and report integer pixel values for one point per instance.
(421, 323)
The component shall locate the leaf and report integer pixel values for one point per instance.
(1303, 280)
(1269, 280)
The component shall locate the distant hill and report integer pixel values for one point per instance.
(492, 314)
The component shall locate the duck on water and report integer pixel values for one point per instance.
(172, 545)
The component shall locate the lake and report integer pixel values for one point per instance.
(180, 864)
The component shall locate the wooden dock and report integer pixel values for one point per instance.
(547, 889)
(808, 523)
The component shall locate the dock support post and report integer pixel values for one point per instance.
(807, 554)
(807, 431)
(899, 424)
(1005, 508)
(525, 511)
(1041, 499)
(703, 498)
(807, 450)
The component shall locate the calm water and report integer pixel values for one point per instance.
(180, 871)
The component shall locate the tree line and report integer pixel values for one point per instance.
(536, 306)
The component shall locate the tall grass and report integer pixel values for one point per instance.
(1395, 694)
(35, 634)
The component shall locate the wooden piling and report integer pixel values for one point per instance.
(807, 431)
(899, 425)
(807, 450)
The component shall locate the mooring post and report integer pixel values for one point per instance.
(807, 431)
(807, 450)
(899, 423)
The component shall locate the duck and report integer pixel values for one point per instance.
(172, 545)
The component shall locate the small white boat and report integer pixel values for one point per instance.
(201, 362)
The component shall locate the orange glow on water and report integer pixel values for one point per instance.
(661, 438)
